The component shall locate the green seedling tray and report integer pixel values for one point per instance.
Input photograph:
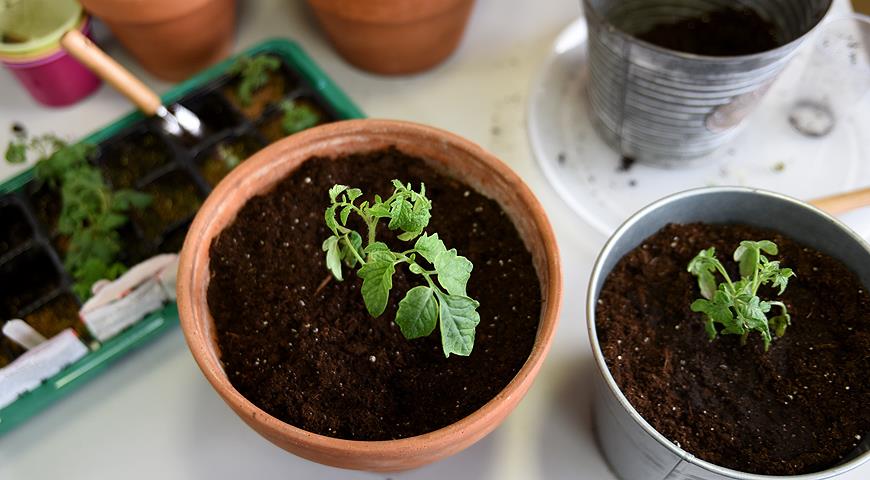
(158, 322)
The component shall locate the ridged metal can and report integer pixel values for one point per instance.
(632, 447)
(667, 108)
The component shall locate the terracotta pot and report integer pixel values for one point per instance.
(447, 152)
(393, 37)
(172, 39)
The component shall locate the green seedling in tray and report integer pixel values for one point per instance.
(253, 74)
(297, 116)
(151, 326)
(443, 302)
(734, 307)
(91, 213)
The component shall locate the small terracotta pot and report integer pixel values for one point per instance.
(454, 156)
(172, 39)
(393, 37)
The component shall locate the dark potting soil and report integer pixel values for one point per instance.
(798, 408)
(726, 32)
(318, 360)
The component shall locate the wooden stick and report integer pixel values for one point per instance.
(323, 284)
(843, 202)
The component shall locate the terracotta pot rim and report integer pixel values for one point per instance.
(198, 343)
(356, 11)
(141, 11)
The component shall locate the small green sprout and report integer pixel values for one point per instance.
(444, 302)
(735, 306)
(254, 74)
(91, 213)
(229, 156)
(297, 116)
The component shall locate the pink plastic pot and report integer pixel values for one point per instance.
(55, 78)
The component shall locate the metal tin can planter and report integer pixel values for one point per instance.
(666, 107)
(632, 447)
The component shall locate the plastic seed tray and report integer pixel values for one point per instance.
(134, 153)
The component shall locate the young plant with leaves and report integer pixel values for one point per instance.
(735, 305)
(297, 116)
(91, 214)
(440, 301)
(253, 74)
(21, 145)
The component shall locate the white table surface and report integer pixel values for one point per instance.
(153, 415)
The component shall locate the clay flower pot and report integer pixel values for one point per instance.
(171, 39)
(393, 37)
(453, 155)
(634, 449)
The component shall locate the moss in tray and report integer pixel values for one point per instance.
(272, 85)
(25, 279)
(15, 228)
(175, 198)
(46, 204)
(134, 157)
(291, 117)
(55, 316)
(225, 156)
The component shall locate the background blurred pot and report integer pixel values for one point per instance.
(450, 154)
(632, 447)
(665, 107)
(393, 37)
(30, 48)
(172, 39)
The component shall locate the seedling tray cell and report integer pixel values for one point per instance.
(134, 153)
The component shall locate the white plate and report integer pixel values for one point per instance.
(767, 153)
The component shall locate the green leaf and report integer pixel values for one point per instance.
(703, 266)
(377, 276)
(779, 323)
(430, 246)
(353, 194)
(345, 212)
(780, 279)
(717, 311)
(418, 313)
(329, 216)
(123, 200)
(375, 247)
(254, 75)
(335, 191)
(333, 257)
(408, 217)
(16, 152)
(748, 254)
(298, 116)
(453, 271)
(458, 318)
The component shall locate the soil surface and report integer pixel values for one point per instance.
(799, 408)
(174, 197)
(318, 360)
(727, 32)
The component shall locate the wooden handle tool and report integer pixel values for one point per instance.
(104, 66)
(843, 202)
